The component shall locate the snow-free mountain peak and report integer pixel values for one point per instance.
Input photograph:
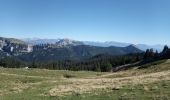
(68, 42)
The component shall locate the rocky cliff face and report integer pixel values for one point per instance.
(11, 45)
(68, 42)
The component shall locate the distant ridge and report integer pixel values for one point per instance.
(12, 40)
(59, 49)
(92, 43)
(77, 52)
(68, 42)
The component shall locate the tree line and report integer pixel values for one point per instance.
(100, 63)
(150, 55)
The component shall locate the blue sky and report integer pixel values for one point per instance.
(134, 21)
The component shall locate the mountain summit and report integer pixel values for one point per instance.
(68, 42)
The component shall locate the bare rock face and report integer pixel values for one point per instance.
(30, 48)
(68, 42)
(2, 43)
(11, 45)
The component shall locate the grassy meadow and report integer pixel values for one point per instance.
(151, 82)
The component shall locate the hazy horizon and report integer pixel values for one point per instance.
(37, 38)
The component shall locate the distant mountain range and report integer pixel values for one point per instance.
(59, 49)
(92, 43)
(78, 52)
(36, 41)
(120, 44)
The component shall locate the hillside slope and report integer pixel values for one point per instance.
(76, 52)
(149, 83)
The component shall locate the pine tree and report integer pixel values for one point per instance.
(151, 53)
(108, 67)
(156, 54)
(33, 64)
(146, 54)
(165, 49)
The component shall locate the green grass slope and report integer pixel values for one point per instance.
(147, 82)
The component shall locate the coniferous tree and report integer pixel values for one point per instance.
(146, 54)
(151, 53)
(165, 49)
(33, 65)
(156, 54)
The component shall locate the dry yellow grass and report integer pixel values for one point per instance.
(87, 85)
(58, 85)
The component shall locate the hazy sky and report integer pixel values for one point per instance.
(135, 21)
